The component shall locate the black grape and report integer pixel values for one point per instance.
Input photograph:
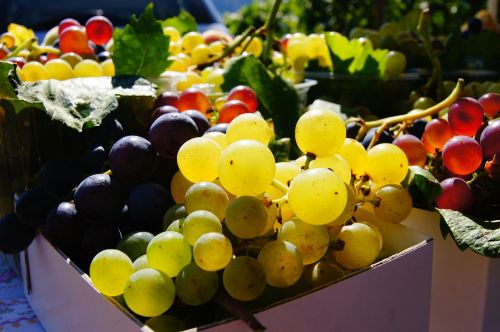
(170, 131)
(220, 127)
(64, 227)
(417, 128)
(35, 204)
(200, 120)
(163, 110)
(352, 129)
(147, 204)
(60, 176)
(93, 160)
(165, 170)
(97, 238)
(385, 137)
(15, 236)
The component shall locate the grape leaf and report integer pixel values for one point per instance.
(8, 80)
(423, 187)
(141, 48)
(184, 22)
(340, 51)
(482, 237)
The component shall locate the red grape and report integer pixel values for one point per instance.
(163, 110)
(490, 138)
(67, 22)
(4, 51)
(462, 155)
(166, 98)
(490, 103)
(437, 132)
(492, 167)
(99, 29)
(413, 148)
(230, 110)
(284, 42)
(74, 39)
(18, 60)
(456, 195)
(465, 116)
(428, 148)
(246, 95)
(194, 99)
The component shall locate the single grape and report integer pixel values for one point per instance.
(73, 39)
(282, 263)
(355, 154)
(348, 209)
(285, 172)
(176, 211)
(245, 95)
(189, 79)
(465, 116)
(59, 69)
(200, 120)
(172, 32)
(352, 129)
(456, 195)
(134, 245)
(167, 323)
(190, 40)
(417, 128)
(108, 67)
(194, 99)
(322, 273)
(387, 164)
(394, 203)
(212, 251)
(490, 139)
(423, 103)
(141, 263)
(64, 228)
(336, 163)
(87, 68)
(207, 196)
(15, 236)
(195, 286)
(198, 159)
(179, 186)
(200, 54)
(437, 133)
(67, 22)
(395, 63)
(166, 98)
(248, 126)
(176, 226)
(34, 205)
(110, 271)
(413, 148)
(198, 223)
(385, 137)
(34, 71)
(231, 110)
(169, 252)
(7, 39)
(170, 131)
(462, 155)
(219, 127)
(217, 137)
(244, 278)
(99, 30)
(361, 246)
(246, 217)
(147, 204)
(490, 103)
(163, 110)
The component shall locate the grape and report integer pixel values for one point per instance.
(73, 39)
(169, 253)
(246, 167)
(195, 286)
(99, 30)
(321, 132)
(147, 204)
(385, 137)
(348, 210)
(336, 163)
(93, 160)
(134, 245)
(99, 237)
(413, 148)
(490, 103)
(272, 220)
(149, 292)
(67, 22)
(64, 228)
(317, 196)
(190, 40)
(456, 195)
(377, 230)
(132, 159)
(207, 196)
(462, 155)
(216, 77)
(248, 126)
(87, 68)
(395, 63)
(60, 176)
(201, 121)
(244, 278)
(141, 263)
(212, 251)
(34, 205)
(110, 131)
(285, 172)
(387, 164)
(200, 54)
(219, 127)
(423, 103)
(322, 273)
(198, 159)
(166, 323)
(72, 58)
(34, 71)
(176, 211)
(166, 98)
(15, 236)
(465, 116)
(103, 56)
(108, 67)
(198, 223)
(217, 137)
(164, 110)
(58, 69)
(311, 240)
(394, 203)
(361, 246)
(231, 110)
(295, 49)
(315, 46)
(437, 133)
(355, 154)
(417, 128)
(172, 32)
(490, 139)
(352, 129)
(18, 61)
(245, 95)
(179, 186)
(282, 263)
(193, 99)
(8, 40)
(246, 217)
(176, 226)
(110, 270)
(190, 78)
(170, 131)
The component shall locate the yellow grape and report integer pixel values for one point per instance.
(394, 203)
(315, 46)
(198, 159)
(169, 253)
(190, 79)
(141, 263)
(246, 217)
(216, 48)
(87, 68)
(244, 278)
(190, 40)
(296, 50)
(174, 48)
(272, 218)
(59, 69)
(207, 196)
(185, 58)
(110, 270)
(173, 33)
(377, 230)
(212, 251)
(248, 126)
(348, 209)
(198, 223)
(285, 171)
(108, 67)
(255, 47)
(217, 137)
(336, 163)
(216, 78)
(282, 263)
(386, 164)
(301, 161)
(177, 64)
(34, 71)
(200, 54)
(7, 39)
(355, 155)
(178, 186)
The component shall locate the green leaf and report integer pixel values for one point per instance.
(482, 237)
(278, 99)
(141, 48)
(8, 80)
(423, 187)
(184, 22)
(340, 52)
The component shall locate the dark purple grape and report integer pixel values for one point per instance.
(93, 160)
(15, 236)
(200, 120)
(456, 195)
(220, 127)
(64, 227)
(147, 204)
(166, 98)
(417, 128)
(490, 139)
(132, 160)
(385, 137)
(352, 129)
(163, 110)
(35, 204)
(110, 131)
(170, 131)
(60, 176)
(165, 170)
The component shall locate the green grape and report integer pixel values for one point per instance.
(272, 217)
(34, 71)
(198, 223)
(141, 263)
(72, 58)
(110, 270)
(336, 163)
(246, 217)
(207, 196)
(321, 132)
(149, 292)
(166, 323)
(244, 278)
(285, 172)
(282, 263)
(169, 253)
(59, 69)
(173, 213)
(348, 209)
(394, 203)
(248, 126)
(322, 273)
(311, 240)
(190, 40)
(198, 159)
(395, 63)
(216, 77)
(200, 54)
(423, 103)
(317, 196)
(178, 186)
(246, 168)
(377, 230)
(212, 251)
(176, 226)
(386, 164)
(195, 286)
(217, 137)
(135, 244)
(108, 67)
(87, 68)
(355, 154)
(361, 246)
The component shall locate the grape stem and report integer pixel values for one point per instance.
(269, 29)
(236, 308)
(280, 186)
(23, 46)
(249, 31)
(309, 157)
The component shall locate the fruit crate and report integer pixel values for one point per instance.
(465, 288)
(391, 295)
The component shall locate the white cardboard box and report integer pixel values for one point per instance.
(391, 295)
(465, 285)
